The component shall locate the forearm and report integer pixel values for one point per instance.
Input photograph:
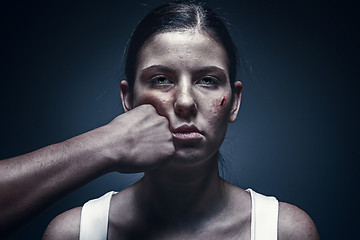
(133, 142)
(31, 182)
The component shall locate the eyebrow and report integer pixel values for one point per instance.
(159, 67)
(170, 70)
(210, 69)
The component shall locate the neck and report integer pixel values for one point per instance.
(179, 192)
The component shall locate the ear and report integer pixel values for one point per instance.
(126, 97)
(236, 99)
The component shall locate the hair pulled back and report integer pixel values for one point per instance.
(178, 16)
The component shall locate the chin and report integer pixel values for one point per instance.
(192, 156)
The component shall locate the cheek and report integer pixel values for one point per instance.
(221, 104)
(218, 110)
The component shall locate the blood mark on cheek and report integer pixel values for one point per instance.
(217, 107)
(223, 101)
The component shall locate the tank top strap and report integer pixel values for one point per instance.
(264, 216)
(94, 218)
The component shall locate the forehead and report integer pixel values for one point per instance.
(183, 50)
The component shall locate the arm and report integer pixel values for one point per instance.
(33, 181)
(134, 141)
(295, 224)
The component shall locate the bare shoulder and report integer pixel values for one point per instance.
(65, 226)
(295, 224)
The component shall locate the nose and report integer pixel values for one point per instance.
(184, 104)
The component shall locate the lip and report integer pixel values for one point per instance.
(187, 133)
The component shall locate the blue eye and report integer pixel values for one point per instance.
(160, 80)
(208, 81)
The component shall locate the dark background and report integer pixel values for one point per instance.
(295, 137)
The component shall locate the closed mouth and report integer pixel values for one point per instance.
(187, 133)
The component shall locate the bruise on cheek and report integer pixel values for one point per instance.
(223, 101)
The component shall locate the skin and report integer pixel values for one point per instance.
(184, 75)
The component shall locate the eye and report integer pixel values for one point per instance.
(160, 80)
(208, 80)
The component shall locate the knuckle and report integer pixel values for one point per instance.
(146, 107)
(150, 107)
(170, 137)
(164, 120)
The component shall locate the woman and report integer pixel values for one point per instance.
(181, 62)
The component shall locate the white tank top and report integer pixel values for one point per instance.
(264, 217)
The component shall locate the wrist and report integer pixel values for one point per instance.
(108, 148)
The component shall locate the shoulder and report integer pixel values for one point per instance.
(65, 226)
(295, 224)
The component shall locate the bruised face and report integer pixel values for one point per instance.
(185, 76)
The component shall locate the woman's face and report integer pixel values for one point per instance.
(185, 76)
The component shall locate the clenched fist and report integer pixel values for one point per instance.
(138, 140)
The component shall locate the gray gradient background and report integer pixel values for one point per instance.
(295, 137)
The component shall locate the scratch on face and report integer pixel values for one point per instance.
(222, 101)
